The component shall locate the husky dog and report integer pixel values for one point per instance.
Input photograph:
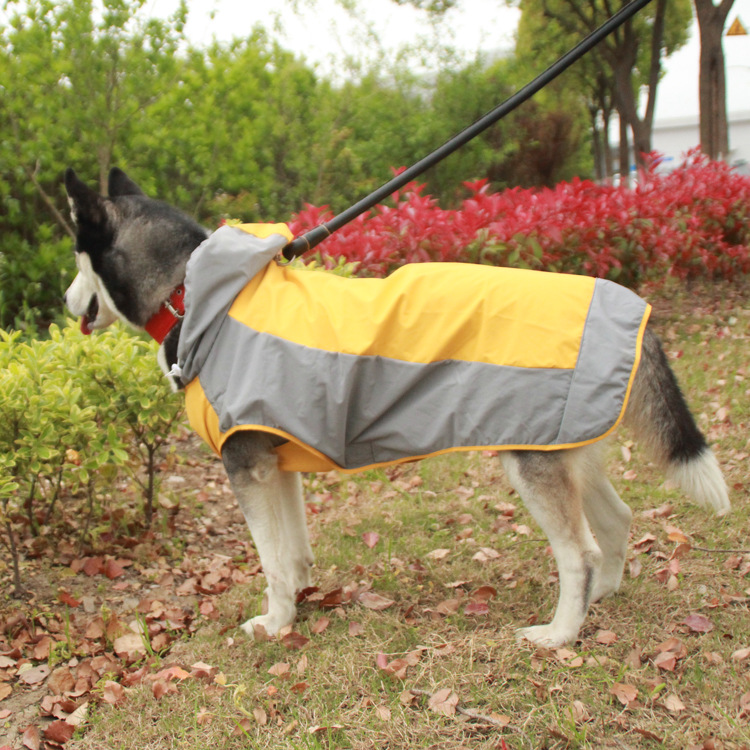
(132, 251)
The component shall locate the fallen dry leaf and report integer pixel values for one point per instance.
(32, 739)
(579, 712)
(645, 542)
(676, 646)
(476, 609)
(486, 554)
(113, 693)
(483, 594)
(280, 669)
(295, 640)
(92, 565)
(113, 569)
(438, 554)
(676, 535)
(565, 654)
(371, 600)
(95, 628)
(444, 702)
(320, 625)
(673, 704)
(59, 732)
(78, 716)
(407, 698)
(202, 671)
(370, 538)
(42, 648)
(163, 687)
(666, 661)
(243, 726)
(171, 673)
(649, 735)
(448, 606)
(61, 681)
(332, 599)
(633, 659)
(318, 729)
(698, 623)
(606, 637)
(34, 675)
(745, 706)
(69, 599)
(624, 693)
(383, 712)
(128, 645)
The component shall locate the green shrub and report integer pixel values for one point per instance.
(74, 409)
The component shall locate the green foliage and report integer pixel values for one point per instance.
(244, 129)
(74, 408)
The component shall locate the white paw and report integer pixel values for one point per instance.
(266, 624)
(607, 583)
(603, 590)
(304, 577)
(545, 635)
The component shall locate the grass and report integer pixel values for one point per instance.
(336, 695)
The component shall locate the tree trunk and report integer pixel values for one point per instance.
(598, 140)
(624, 152)
(623, 54)
(714, 129)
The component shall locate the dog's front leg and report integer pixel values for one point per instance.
(271, 501)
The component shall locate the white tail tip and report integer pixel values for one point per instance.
(701, 478)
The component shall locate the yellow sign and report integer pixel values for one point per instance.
(737, 29)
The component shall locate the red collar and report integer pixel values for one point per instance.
(169, 314)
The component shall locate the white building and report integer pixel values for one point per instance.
(676, 117)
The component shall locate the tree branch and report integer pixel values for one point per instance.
(470, 712)
(50, 203)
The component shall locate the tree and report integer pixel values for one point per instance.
(81, 75)
(712, 97)
(632, 55)
(588, 84)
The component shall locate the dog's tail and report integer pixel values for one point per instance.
(660, 418)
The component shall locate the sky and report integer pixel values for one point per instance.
(323, 32)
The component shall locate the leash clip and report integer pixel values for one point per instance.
(172, 309)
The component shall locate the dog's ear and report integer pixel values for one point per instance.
(86, 204)
(121, 184)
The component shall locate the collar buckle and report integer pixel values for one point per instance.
(177, 313)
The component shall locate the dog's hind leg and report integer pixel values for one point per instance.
(272, 504)
(550, 487)
(295, 523)
(609, 519)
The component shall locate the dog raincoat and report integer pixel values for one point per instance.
(437, 357)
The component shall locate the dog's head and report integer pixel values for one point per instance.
(130, 250)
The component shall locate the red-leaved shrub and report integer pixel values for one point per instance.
(691, 222)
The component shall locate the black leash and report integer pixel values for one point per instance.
(310, 239)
